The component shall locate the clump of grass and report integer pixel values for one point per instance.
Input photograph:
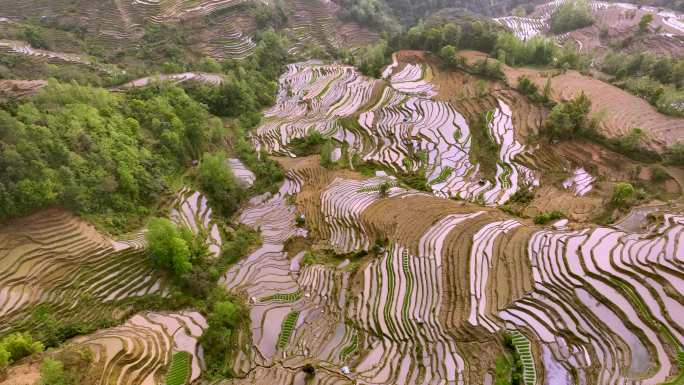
(544, 218)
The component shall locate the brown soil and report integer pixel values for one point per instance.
(23, 374)
(597, 159)
(622, 24)
(577, 209)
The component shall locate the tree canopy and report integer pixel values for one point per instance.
(167, 247)
(571, 15)
(98, 153)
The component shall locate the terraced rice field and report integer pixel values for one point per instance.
(616, 18)
(398, 126)
(242, 173)
(58, 261)
(20, 88)
(21, 48)
(191, 209)
(150, 348)
(602, 303)
(214, 79)
(524, 27)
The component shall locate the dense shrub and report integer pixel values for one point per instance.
(20, 345)
(656, 79)
(373, 14)
(308, 145)
(237, 244)
(448, 55)
(544, 218)
(167, 247)
(372, 58)
(569, 119)
(466, 32)
(674, 155)
(513, 51)
(622, 194)
(218, 183)
(527, 87)
(571, 15)
(225, 316)
(52, 373)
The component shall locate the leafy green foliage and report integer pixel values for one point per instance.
(19, 345)
(644, 23)
(237, 244)
(522, 196)
(180, 369)
(167, 247)
(571, 15)
(225, 316)
(384, 188)
(484, 150)
(502, 371)
(544, 218)
(308, 145)
(659, 174)
(309, 258)
(219, 184)
(270, 16)
(569, 119)
(622, 194)
(326, 154)
(52, 373)
(374, 14)
(98, 153)
(674, 155)
(268, 173)
(54, 330)
(515, 52)
(656, 79)
(35, 38)
(448, 55)
(488, 68)
(4, 359)
(372, 58)
(467, 32)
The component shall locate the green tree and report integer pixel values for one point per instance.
(52, 373)
(674, 155)
(101, 154)
(219, 184)
(568, 119)
(384, 188)
(4, 359)
(571, 15)
(20, 345)
(270, 54)
(326, 154)
(166, 246)
(448, 55)
(622, 193)
(224, 318)
(644, 23)
(371, 59)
